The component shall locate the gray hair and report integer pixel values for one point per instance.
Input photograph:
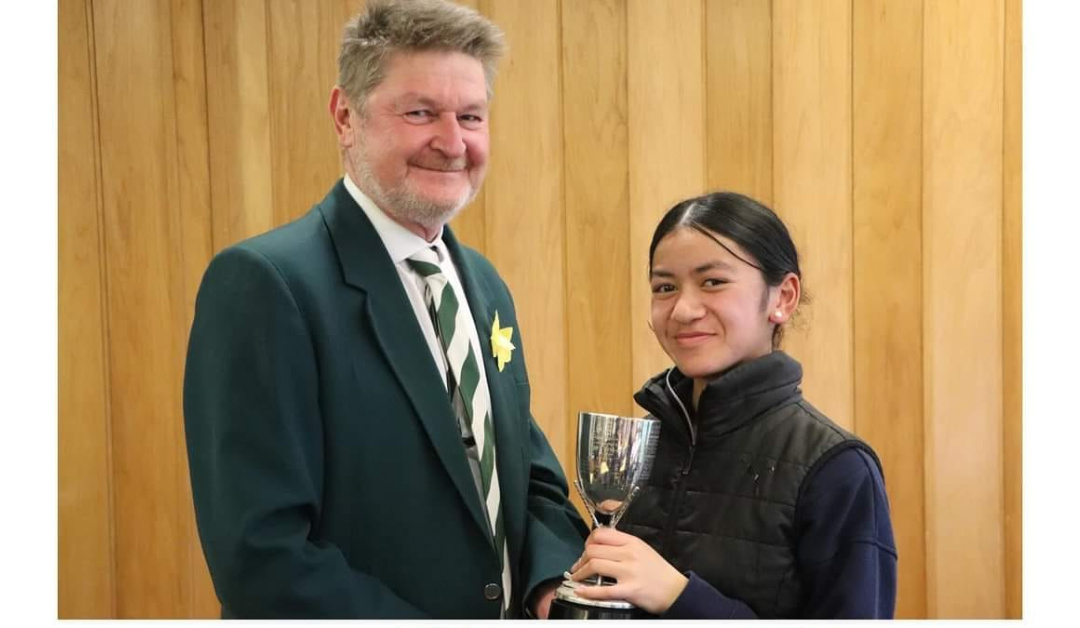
(389, 26)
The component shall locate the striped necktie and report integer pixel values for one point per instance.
(455, 332)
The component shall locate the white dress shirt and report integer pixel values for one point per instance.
(401, 243)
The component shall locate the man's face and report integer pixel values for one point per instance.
(422, 147)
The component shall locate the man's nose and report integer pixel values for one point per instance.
(449, 139)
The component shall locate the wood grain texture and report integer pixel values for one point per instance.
(666, 108)
(146, 306)
(597, 199)
(1012, 313)
(962, 221)
(86, 582)
(196, 245)
(304, 156)
(887, 293)
(812, 187)
(739, 115)
(524, 201)
(238, 108)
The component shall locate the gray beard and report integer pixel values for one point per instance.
(404, 203)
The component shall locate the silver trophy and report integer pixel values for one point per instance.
(614, 457)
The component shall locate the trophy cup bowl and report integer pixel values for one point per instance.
(614, 458)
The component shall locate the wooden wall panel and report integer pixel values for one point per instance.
(812, 187)
(666, 108)
(196, 246)
(962, 220)
(1012, 313)
(301, 57)
(238, 107)
(887, 293)
(525, 197)
(86, 583)
(739, 115)
(597, 197)
(146, 306)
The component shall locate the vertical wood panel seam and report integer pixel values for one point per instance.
(1004, 545)
(853, 354)
(705, 117)
(567, 445)
(267, 48)
(195, 543)
(627, 8)
(922, 301)
(209, 136)
(1010, 612)
(772, 105)
(103, 280)
(772, 114)
(703, 81)
(930, 571)
(1002, 37)
(171, 106)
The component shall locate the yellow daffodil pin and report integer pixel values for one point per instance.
(500, 342)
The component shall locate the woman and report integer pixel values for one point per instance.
(758, 505)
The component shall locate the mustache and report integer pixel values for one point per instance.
(443, 164)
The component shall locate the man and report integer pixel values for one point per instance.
(355, 399)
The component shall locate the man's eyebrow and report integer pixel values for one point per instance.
(411, 98)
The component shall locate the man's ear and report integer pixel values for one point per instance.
(340, 111)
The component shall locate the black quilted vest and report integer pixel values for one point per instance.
(722, 502)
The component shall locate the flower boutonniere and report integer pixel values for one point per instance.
(501, 347)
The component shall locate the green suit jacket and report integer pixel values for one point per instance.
(327, 469)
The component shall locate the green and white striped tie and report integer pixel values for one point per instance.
(468, 393)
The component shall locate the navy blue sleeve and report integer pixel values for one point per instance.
(700, 600)
(846, 554)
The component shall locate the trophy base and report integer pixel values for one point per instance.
(568, 605)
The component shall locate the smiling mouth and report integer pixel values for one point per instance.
(442, 170)
(692, 338)
(446, 168)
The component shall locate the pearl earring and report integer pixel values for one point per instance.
(779, 316)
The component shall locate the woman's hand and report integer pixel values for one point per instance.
(645, 579)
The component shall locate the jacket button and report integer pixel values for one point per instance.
(492, 591)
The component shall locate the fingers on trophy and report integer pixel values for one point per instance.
(614, 458)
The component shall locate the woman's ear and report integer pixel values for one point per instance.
(786, 299)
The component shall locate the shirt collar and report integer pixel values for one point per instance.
(399, 241)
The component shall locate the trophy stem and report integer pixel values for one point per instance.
(588, 504)
(599, 580)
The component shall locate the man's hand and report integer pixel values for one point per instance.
(644, 578)
(542, 597)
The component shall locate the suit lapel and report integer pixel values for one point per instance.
(509, 449)
(367, 266)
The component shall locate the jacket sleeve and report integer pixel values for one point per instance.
(847, 554)
(700, 600)
(254, 437)
(554, 531)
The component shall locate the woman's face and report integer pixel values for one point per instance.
(710, 310)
